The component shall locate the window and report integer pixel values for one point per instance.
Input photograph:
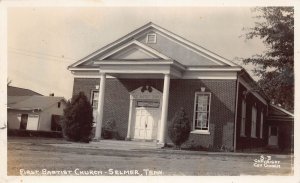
(94, 102)
(253, 122)
(23, 123)
(58, 104)
(201, 111)
(243, 121)
(151, 38)
(261, 124)
(273, 131)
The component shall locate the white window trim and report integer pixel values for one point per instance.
(253, 122)
(261, 124)
(155, 38)
(243, 119)
(198, 131)
(91, 99)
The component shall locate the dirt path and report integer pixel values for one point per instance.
(37, 157)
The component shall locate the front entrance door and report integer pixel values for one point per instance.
(146, 123)
(273, 136)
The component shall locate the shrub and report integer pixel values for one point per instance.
(77, 121)
(179, 128)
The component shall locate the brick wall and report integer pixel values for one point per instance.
(221, 126)
(182, 94)
(249, 142)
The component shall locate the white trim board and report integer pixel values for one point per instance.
(249, 88)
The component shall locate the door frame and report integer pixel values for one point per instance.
(269, 135)
(140, 94)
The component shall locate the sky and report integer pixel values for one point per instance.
(43, 41)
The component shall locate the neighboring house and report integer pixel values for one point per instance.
(142, 79)
(34, 112)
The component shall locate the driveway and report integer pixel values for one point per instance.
(38, 156)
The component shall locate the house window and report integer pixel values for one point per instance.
(23, 123)
(94, 102)
(201, 111)
(243, 121)
(58, 104)
(253, 122)
(261, 124)
(151, 38)
(95, 99)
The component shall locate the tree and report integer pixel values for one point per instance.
(78, 119)
(275, 26)
(179, 128)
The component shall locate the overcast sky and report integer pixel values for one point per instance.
(42, 42)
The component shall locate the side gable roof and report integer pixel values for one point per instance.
(16, 91)
(33, 102)
(143, 29)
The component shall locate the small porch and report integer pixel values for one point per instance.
(148, 108)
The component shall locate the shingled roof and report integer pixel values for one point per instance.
(16, 91)
(32, 102)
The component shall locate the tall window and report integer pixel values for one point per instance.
(243, 121)
(253, 122)
(94, 101)
(261, 124)
(201, 112)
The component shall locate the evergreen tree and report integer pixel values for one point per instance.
(78, 119)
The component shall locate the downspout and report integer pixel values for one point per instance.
(236, 107)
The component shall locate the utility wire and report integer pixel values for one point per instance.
(40, 53)
(60, 60)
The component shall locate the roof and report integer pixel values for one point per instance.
(16, 91)
(276, 113)
(184, 55)
(32, 102)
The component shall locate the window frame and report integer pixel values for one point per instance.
(92, 98)
(155, 38)
(261, 124)
(201, 131)
(243, 118)
(253, 122)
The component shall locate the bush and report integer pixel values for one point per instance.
(179, 128)
(77, 121)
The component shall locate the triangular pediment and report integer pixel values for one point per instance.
(133, 53)
(133, 50)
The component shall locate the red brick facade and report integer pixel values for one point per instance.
(249, 142)
(182, 94)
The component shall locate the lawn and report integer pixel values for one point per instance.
(41, 156)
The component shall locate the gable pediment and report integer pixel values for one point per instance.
(168, 46)
(134, 50)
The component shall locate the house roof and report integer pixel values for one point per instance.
(32, 102)
(16, 91)
(277, 113)
(187, 53)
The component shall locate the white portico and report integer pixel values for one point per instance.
(148, 110)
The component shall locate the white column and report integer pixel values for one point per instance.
(129, 118)
(100, 106)
(164, 113)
